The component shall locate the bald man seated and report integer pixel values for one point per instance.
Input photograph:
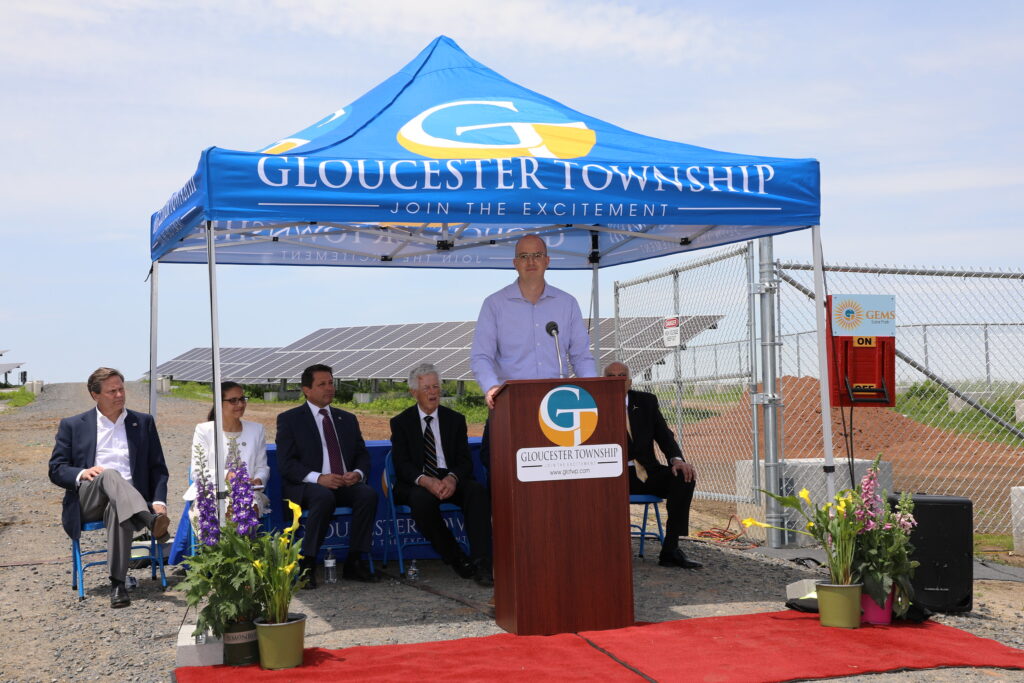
(668, 476)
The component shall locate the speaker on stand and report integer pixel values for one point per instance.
(943, 543)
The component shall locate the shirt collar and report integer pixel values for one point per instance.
(316, 410)
(423, 414)
(514, 292)
(102, 419)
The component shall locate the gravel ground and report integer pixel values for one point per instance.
(50, 635)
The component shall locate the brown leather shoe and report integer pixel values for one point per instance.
(161, 522)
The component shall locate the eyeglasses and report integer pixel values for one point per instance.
(236, 400)
(530, 257)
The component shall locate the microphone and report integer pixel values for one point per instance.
(552, 329)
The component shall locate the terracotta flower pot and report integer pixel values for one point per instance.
(281, 645)
(839, 605)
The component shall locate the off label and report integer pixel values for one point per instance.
(864, 342)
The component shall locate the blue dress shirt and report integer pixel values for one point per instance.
(511, 341)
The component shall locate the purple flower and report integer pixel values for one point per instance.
(206, 502)
(242, 511)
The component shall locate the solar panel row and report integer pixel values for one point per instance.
(390, 351)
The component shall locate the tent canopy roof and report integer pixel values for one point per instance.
(446, 162)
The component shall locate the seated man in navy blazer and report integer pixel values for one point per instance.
(110, 461)
(324, 464)
(648, 474)
(432, 464)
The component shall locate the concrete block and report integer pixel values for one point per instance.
(800, 589)
(210, 653)
(956, 404)
(269, 395)
(35, 386)
(1018, 410)
(1017, 513)
(163, 385)
(361, 397)
(794, 475)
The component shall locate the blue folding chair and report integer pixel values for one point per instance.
(155, 557)
(394, 535)
(640, 531)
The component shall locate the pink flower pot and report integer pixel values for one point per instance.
(871, 613)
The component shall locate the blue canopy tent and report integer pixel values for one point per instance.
(445, 164)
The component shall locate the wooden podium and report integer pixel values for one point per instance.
(562, 553)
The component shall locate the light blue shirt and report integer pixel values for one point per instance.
(511, 341)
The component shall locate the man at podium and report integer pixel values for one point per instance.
(523, 328)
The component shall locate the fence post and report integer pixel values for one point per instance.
(677, 359)
(768, 398)
(752, 379)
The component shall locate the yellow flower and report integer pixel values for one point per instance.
(750, 521)
(810, 525)
(296, 513)
(258, 565)
(290, 568)
(806, 495)
(842, 507)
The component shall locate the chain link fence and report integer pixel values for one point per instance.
(702, 385)
(957, 428)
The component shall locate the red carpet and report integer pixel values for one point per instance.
(777, 646)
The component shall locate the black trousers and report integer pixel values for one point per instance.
(677, 492)
(320, 502)
(475, 501)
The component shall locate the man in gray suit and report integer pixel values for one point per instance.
(111, 464)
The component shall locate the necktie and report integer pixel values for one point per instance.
(333, 448)
(641, 471)
(429, 449)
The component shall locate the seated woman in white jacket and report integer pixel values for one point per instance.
(248, 437)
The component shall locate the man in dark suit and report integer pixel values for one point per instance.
(665, 473)
(111, 464)
(324, 464)
(430, 452)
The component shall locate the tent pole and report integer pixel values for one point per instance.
(218, 408)
(595, 321)
(153, 296)
(769, 398)
(826, 407)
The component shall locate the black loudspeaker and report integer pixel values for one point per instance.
(943, 543)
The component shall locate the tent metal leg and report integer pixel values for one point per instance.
(153, 301)
(826, 407)
(218, 408)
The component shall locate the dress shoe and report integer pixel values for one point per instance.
(119, 596)
(161, 522)
(359, 570)
(482, 572)
(464, 567)
(676, 558)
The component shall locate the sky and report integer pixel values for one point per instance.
(913, 110)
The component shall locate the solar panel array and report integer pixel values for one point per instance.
(195, 364)
(390, 351)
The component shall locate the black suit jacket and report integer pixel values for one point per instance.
(75, 450)
(647, 426)
(407, 444)
(300, 451)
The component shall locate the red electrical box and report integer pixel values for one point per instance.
(861, 369)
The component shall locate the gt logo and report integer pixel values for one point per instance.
(568, 415)
(496, 139)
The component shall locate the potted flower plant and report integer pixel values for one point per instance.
(882, 555)
(221, 572)
(275, 559)
(835, 526)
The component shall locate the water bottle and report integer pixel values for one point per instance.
(412, 572)
(330, 568)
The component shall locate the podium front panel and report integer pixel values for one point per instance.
(562, 552)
